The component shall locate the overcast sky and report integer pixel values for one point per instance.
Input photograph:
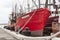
(6, 8)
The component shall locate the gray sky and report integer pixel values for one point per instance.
(6, 8)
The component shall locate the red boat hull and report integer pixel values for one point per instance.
(37, 22)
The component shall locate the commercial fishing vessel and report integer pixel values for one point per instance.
(42, 19)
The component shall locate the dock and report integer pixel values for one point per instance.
(5, 36)
(10, 35)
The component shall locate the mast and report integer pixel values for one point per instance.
(49, 3)
(54, 3)
(21, 7)
(21, 10)
(35, 3)
(28, 5)
(15, 12)
(46, 4)
(56, 7)
(39, 3)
